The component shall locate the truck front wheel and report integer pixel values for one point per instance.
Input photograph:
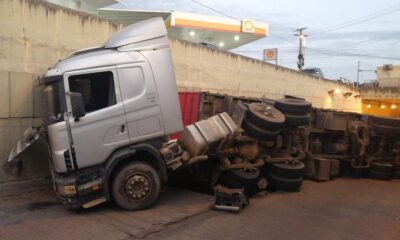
(136, 186)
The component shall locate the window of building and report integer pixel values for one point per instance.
(97, 89)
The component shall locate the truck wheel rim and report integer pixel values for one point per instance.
(137, 187)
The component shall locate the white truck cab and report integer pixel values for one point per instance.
(110, 109)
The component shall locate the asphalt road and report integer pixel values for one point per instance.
(339, 209)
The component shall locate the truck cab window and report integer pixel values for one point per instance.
(97, 89)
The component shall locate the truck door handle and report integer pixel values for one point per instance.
(122, 128)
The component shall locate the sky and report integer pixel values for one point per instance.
(341, 32)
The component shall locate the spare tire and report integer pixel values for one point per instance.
(286, 184)
(296, 121)
(265, 116)
(293, 106)
(290, 170)
(258, 133)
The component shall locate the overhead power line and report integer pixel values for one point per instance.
(386, 11)
(312, 51)
(349, 54)
(215, 10)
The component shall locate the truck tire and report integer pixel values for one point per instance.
(253, 131)
(295, 120)
(285, 183)
(265, 116)
(381, 167)
(384, 121)
(335, 168)
(293, 106)
(293, 170)
(135, 186)
(396, 170)
(238, 178)
(245, 176)
(380, 175)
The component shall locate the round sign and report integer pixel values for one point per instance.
(270, 54)
(248, 25)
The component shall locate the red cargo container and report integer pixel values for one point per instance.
(190, 102)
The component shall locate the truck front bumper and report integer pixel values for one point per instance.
(81, 188)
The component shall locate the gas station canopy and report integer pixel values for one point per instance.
(223, 33)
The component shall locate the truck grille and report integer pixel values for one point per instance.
(68, 160)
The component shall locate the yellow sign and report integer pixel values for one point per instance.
(248, 26)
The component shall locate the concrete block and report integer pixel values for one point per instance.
(21, 90)
(4, 95)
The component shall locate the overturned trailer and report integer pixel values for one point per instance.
(296, 141)
(116, 131)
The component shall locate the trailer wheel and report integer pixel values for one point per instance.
(265, 116)
(238, 178)
(335, 168)
(381, 167)
(286, 184)
(136, 186)
(396, 171)
(253, 131)
(245, 176)
(293, 170)
(380, 175)
(293, 106)
(295, 120)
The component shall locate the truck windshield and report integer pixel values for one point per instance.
(55, 101)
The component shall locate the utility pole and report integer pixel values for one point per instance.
(361, 70)
(358, 74)
(300, 57)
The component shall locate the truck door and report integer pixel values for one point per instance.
(103, 129)
(140, 97)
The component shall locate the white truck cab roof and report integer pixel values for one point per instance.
(150, 34)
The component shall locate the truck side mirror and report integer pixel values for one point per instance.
(77, 104)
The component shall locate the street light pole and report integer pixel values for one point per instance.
(358, 74)
(300, 57)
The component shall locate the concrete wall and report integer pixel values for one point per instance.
(200, 68)
(33, 36)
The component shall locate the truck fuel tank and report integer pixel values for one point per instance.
(205, 135)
